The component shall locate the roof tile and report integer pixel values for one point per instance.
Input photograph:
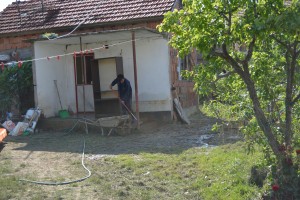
(32, 15)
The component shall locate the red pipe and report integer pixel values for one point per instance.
(75, 73)
(135, 80)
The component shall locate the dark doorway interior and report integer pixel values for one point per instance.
(96, 75)
(85, 83)
(107, 103)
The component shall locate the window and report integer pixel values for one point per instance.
(84, 69)
(184, 64)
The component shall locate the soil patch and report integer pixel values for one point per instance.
(151, 137)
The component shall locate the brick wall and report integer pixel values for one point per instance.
(21, 41)
(184, 89)
(186, 95)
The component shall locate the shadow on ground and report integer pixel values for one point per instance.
(152, 137)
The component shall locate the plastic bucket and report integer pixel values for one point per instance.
(63, 114)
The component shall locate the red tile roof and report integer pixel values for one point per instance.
(33, 15)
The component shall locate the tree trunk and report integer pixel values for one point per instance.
(261, 118)
(259, 114)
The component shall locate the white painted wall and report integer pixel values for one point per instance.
(152, 71)
(107, 73)
(153, 75)
(46, 73)
(152, 68)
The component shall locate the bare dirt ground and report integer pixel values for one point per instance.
(45, 153)
(151, 137)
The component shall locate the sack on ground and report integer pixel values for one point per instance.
(19, 129)
(9, 125)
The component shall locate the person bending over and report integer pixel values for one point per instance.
(124, 92)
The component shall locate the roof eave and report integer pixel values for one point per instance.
(69, 28)
(102, 32)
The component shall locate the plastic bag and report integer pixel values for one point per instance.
(19, 129)
(9, 125)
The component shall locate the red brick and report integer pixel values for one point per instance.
(111, 11)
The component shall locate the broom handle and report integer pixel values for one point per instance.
(125, 105)
(128, 109)
(55, 82)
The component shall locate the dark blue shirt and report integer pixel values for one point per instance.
(124, 89)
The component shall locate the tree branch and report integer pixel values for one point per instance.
(250, 50)
(295, 100)
(297, 52)
(279, 41)
(293, 68)
(220, 76)
(231, 61)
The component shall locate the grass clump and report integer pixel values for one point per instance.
(225, 173)
(10, 186)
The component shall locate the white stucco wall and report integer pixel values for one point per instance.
(152, 70)
(46, 72)
(107, 71)
(153, 75)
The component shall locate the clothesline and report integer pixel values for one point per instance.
(58, 57)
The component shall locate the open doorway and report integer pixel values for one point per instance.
(108, 103)
(85, 82)
(92, 78)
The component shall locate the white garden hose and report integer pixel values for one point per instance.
(67, 182)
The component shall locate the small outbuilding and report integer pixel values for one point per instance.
(79, 47)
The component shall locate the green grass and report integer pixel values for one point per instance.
(225, 174)
(198, 173)
(8, 182)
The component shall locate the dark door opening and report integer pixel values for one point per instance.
(84, 82)
(92, 80)
(108, 103)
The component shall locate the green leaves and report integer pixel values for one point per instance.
(251, 49)
(15, 83)
(252, 54)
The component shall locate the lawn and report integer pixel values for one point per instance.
(213, 173)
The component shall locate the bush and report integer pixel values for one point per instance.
(16, 88)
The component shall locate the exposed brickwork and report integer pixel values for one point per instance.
(31, 15)
(102, 15)
(187, 96)
(21, 41)
(29, 19)
(173, 64)
(18, 42)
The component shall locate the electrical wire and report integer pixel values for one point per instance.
(83, 51)
(86, 17)
(67, 182)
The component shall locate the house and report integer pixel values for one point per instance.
(81, 45)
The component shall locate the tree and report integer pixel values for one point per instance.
(252, 50)
(16, 87)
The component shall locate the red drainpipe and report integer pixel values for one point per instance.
(135, 80)
(75, 73)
